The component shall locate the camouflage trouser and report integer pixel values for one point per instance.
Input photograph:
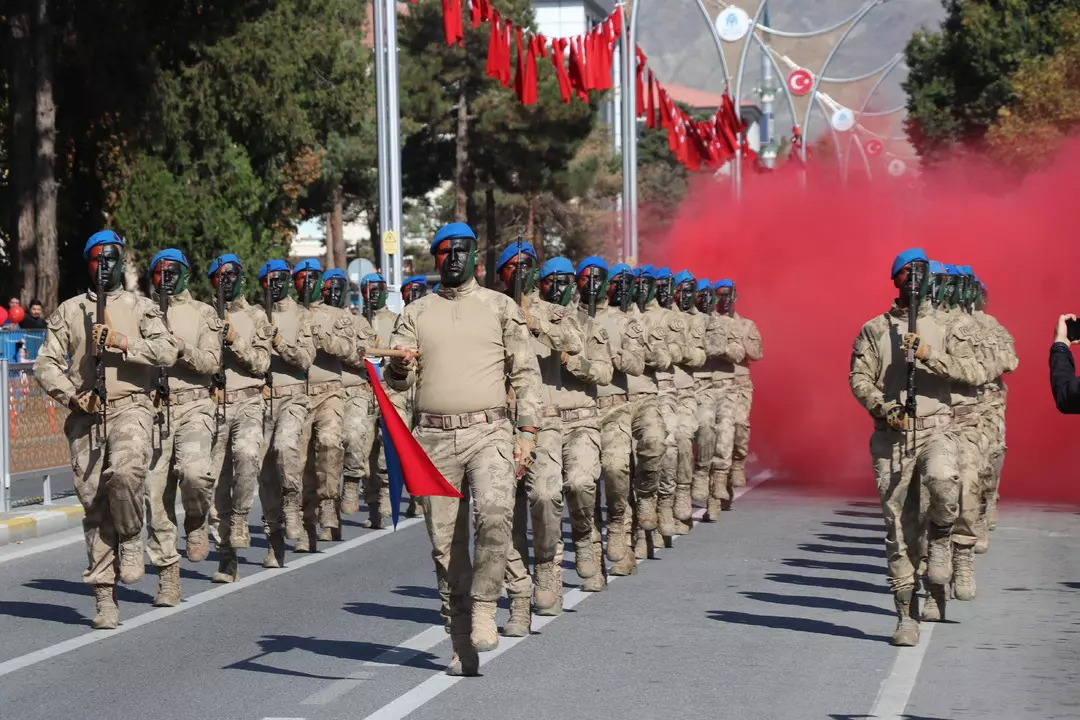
(993, 429)
(364, 457)
(323, 444)
(183, 457)
(716, 437)
(238, 457)
(477, 461)
(685, 432)
(667, 402)
(743, 396)
(648, 431)
(913, 491)
(111, 480)
(567, 461)
(616, 443)
(973, 453)
(282, 472)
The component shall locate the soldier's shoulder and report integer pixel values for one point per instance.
(500, 301)
(876, 326)
(69, 311)
(142, 305)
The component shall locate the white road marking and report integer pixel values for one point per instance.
(435, 685)
(93, 636)
(75, 536)
(896, 689)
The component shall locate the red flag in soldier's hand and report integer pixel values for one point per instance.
(422, 479)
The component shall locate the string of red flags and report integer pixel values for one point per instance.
(582, 65)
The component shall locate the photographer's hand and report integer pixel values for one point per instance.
(1061, 333)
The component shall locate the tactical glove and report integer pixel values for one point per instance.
(524, 452)
(913, 342)
(103, 335)
(87, 402)
(895, 416)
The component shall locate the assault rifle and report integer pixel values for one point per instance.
(910, 407)
(218, 381)
(163, 393)
(307, 306)
(97, 350)
(268, 305)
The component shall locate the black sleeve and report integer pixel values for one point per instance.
(1063, 380)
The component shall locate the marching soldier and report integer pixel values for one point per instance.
(376, 481)
(239, 449)
(470, 342)
(745, 332)
(104, 376)
(185, 426)
(694, 358)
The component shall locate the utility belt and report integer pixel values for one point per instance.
(724, 382)
(463, 420)
(610, 401)
(921, 423)
(289, 390)
(634, 397)
(322, 388)
(988, 395)
(570, 415)
(234, 396)
(132, 399)
(182, 397)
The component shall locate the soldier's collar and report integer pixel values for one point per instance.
(239, 303)
(466, 288)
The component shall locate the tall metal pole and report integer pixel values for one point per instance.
(768, 94)
(630, 131)
(393, 148)
(381, 98)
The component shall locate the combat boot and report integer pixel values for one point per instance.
(168, 594)
(726, 504)
(699, 486)
(228, 568)
(684, 508)
(665, 518)
(585, 559)
(618, 543)
(107, 616)
(350, 496)
(683, 527)
(991, 512)
(660, 540)
(641, 545)
(712, 511)
(415, 509)
(275, 554)
(738, 474)
(598, 581)
(646, 512)
(520, 622)
(982, 535)
(963, 573)
(485, 634)
(239, 534)
(465, 663)
(626, 566)
(547, 593)
(939, 566)
(131, 560)
(907, 628)
(933, 609)
(290, 508)
(198, 544)
(375, 518)
(308, 542)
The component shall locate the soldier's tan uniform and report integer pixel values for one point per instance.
(693, 357)
(324, 431)
(555, 330)
(361, 416)
(110, 479)
(716, 437)
(472, 341)
(992, 401)
(240, 446)
(675, 326)
(184, 455)
(743, 394)
(376, 481)
(281, 478)
(879, 376)
(626, 346)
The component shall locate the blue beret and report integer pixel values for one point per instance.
(722, 284)
(662, 273)
(683, 276)
(170, 254)
(511, 251)
(309, 264)
(222, 260)
(102, 237)
(334, 273)
(592, 261)
(415, 280)
(557, 265)
(371, 278)
(704, 284)
(453, 230)
(908, 256)
(272, 266)
(952, 270)
(619, 269)
(643, 270)
(937, 268)
(966, 270)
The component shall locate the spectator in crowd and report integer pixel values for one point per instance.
(35, 320)
(1063, 381)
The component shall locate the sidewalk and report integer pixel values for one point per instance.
(39, 520)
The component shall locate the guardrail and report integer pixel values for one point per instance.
(32, 441)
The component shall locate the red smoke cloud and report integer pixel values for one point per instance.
(812, 265)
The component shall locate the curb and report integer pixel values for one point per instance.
(37, 524)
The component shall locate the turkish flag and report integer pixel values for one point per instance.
(421, 477)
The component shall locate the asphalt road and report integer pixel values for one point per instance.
(29, 485)
(778, 611)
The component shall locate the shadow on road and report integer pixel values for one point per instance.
(71, 587)
(868, 527)
(878, 553)
(814, 601)
(777, 622)
(341, 649)
(814, 564)
(858, 514)
(43, 611)
(828, 582)
(425, 616)
(844, 716)
(416, 591)
(1072, 585)
(854, 539)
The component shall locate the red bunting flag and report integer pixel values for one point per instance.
(558, 48)
(494, 43)
(452, 23)
(640, 79)
(519, 74)
(650, 117)
(422, 478)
